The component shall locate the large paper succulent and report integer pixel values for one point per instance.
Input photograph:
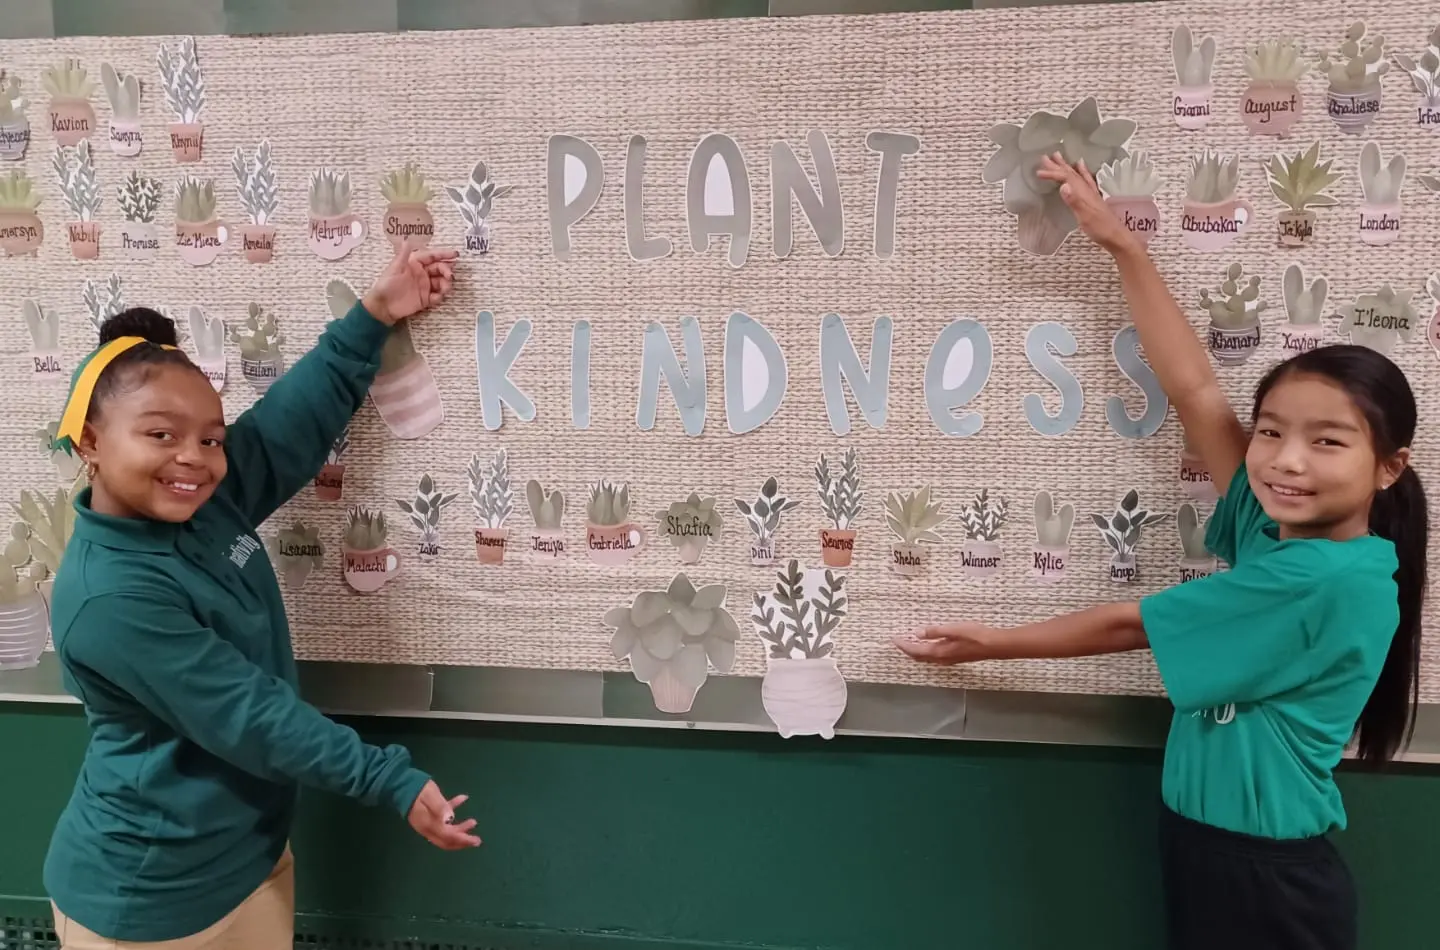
(673, 636)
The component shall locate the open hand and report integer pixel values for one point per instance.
(413, 281)
(1079, 191)
(949, 643)
(433, 817)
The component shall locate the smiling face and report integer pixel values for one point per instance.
(1312, 460)
(157, 444)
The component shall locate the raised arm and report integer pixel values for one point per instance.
(1170, 345)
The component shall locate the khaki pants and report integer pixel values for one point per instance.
(265, 921)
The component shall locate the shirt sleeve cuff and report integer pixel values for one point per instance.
(406, 789)
(361, 331)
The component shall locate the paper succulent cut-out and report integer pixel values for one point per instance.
(1381, 183)
(404, 392)
(1424, 75)
(841, 501)
(298, 553)
(494, 502)
(1196, 561)
(260, 340)
(1193, 63)
(672, 637)
(14, 126)
(762, 516)
(1305, 307)
(208, 335)
(330, 483)
(983, 518)
(1234, 309)
(21, 231)
(139, 198)
(1044, 220)
(44, 327)
(334, 230)
(913, 518)
(184, 85)
(59, 452)
(75, 171)
(1121, 533)
(611, 538)
(690, 526)
(1354, 95)
(126, 135)
(199, 235)
(370, 562)
(1378, 320)
(803, 691)
(103, 301)
(72, 117)
(1273, 102)
(475, 202)
(31, 557)
(1129, 185)
(1052, 538)
(1299, 180)
(547, 511)
(424, 511)
(260, 197)
(1212, 216)
(407, 216)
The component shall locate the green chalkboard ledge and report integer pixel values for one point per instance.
(730, 703)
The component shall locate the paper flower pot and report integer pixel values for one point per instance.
(804, 697)
(837, 546)
(1271, 108)
(331, 238)
(762, 553)
(24, 630)
(1191, 106)
(1214, 227)
(257, 243)
(84, 239)
(1194, 568)
(428, 550)
(71, 120)
(187, 141)
(368, 571)
(1048, 564)
(1352, 112)
(261, 374)
(408, 400)
(21, 232)
(1230, 346)
(670, 695)
(1379, 223)
(1140, 215)
(47, 364)
(611, 545)
(200, 242)
(1297, 338)
(547, 543)
(126, 138)
(330, 482)
(138, 240)
(409, 221)
(1123, 569)
(1427, 116)
(980, 558)
(14, 140)
(1296, 228)
(908, 560)
(1195, 480)
(1037, 233)
(490, 544)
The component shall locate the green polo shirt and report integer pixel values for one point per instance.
(1269, 665)
(174, 637)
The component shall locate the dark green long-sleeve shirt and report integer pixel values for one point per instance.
(174, 636)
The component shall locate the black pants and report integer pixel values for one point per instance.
(1228, 891)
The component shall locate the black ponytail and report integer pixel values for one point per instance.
(1399, 514)
(132, 368)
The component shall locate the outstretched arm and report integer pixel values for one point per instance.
(1170, 344)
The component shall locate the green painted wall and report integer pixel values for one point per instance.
(621, 838)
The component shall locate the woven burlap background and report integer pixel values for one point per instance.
(368, 103)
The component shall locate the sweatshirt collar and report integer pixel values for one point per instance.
(123, 534)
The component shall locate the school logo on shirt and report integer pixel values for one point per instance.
(1223, 715)
(242, 549)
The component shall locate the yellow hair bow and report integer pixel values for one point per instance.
(82, 387)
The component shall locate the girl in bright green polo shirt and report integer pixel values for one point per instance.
(170, 628)
(1311, 638)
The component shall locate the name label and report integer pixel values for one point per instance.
(47, 364)
(547, 545)
(1123, 572)
(396, 227)
(1048, 563)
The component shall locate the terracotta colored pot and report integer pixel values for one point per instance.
(412, 221)
(21, 232)
(257, 242)
(490, 544)
(330, 482)
(84, 239)
(1191, 107)
(187, 141)
(1214, 227)
(1296, 227)
(1271, 108)
(837, 546)
(71, 120)
(1379, 223)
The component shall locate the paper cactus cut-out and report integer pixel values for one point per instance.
(43, 324)
(1380, 181)
(547, 508)
(194, 200)
(329, 193)
(365, 529)
(1213, 178)
(123, 92)
(259, 337)
(1193, 61)
(1304, 304)
(208, 334)
(1235, 304)
(1052, 525)
(1359, 62)
(1276, 61)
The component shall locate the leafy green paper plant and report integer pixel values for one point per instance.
(67, 79)
(913, 517)
(1276, 62)
(424, 513)
(140, 198)
(20, 577)
(840, 496)
(1380, 319)
(255, 183)
(796, 624)
(763, 516)
(123, 92)
(336, 454)
(182, 80)
(1052, 525)
(984, 516)
(329, 193)
(1234, 305)
(1299, 180)
(365, 529)
(609, 504)
(103, 301)
(1133, 176)
(1193, 62)
(17, 193)
(298, 552)
(690, 525)
(1213, 178)
(1121, 531)
(475, 202)
(490, 492)
(547, 508)
(1425, 73)
(75, 170)
(194, 200)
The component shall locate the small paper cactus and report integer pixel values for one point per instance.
(1305, 305)
(1238, 305)
(1052, 525)
(1380, 180)
(1192, 62)
(260, 337)
(1358, 64)
(547, 508)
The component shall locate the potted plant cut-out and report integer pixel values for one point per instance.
(24, 620)
(260, 340)
(424, 512)
(1273, 103)
(404, 392)
(1381, 319)
(408, 217)
(298, 553)
(198, 233)
(370, 562)
(330, 482)
(763, 518)
(983, 518)
(1212, 215)
(208, 334)
(1052, 538)
(1121, 533)
(475, 201)
(1195, 478)
(803, 691)
(20, 229)
(1193, 63)
(103, 301)
(611, 538)
(1432, 332)
(494, 502)
(913, 518)
(49, 522)
(184, 85)
(1299, 181)
(59, 453)
(690, 525)
(260, 197)
(1043, 219)
(1354, 95)
(1305, 306)
(72, 117)
(672, 637)
(139, 199)
(334, 230)
(75, 171)
(1196, 561)
(1234, 310)
(1130, 185)
(1381, 183)
(547, 511)
(126, 137)
(841, 500)
(44, 327)
(1424, 76)
(14, 126)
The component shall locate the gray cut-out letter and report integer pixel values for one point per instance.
(736, 223)
(944, 394)
(839, 359)
(756, 376)
(1128, 357)
(824, 210)
(492, 367)
(1042, 338)
(641, 247)
(688, 390)
(893, 147)
(567, 210)
(580, 375)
